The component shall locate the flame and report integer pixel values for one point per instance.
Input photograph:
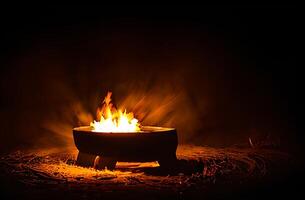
(113, 120)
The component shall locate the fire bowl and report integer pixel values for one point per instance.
(104, 149)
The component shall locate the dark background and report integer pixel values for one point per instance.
(219, 74)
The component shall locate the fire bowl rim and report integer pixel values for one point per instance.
(147, 130)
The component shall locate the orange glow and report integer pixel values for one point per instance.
(113, 120)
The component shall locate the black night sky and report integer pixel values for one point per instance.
(236, 66)
(219, 74)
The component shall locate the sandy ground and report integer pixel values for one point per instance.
(200, 172)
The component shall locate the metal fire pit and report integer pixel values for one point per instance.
(103, 149)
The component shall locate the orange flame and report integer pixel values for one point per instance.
(113, 120)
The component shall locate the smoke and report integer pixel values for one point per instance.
(161, 102)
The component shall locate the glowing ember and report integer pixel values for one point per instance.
(113, 120)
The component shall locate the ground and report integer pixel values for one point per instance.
(200, 172)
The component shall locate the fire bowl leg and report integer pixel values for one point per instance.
(168, 162)
(105, 162)
(85, 160)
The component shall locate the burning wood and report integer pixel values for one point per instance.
(112, 120)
